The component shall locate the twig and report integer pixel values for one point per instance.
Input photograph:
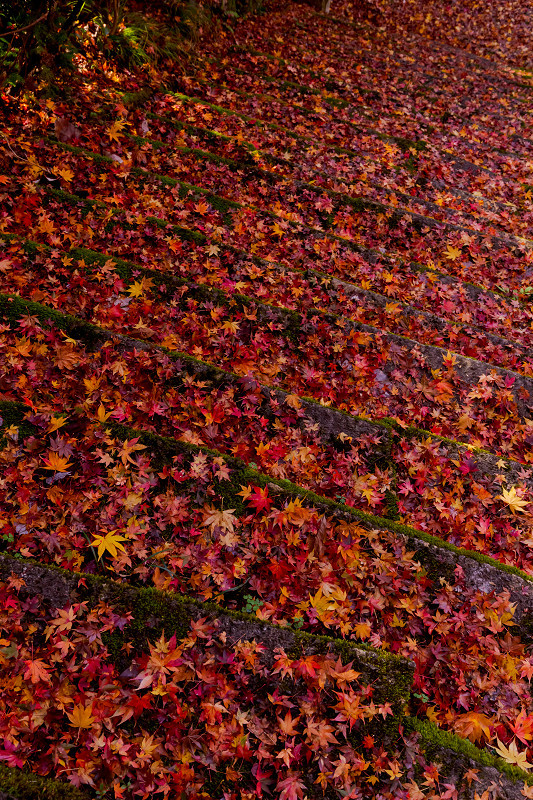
(25, 28)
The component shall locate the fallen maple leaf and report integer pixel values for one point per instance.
(81, 716)
(66, 174)
(523, 727)
(108, 543)
(291, 788)
(512, 499)
(473, 726)
(115, 130)
(56, 423)
(37, 671)
(57, 464)
(452, 253)
(222, 519)
(511, 755)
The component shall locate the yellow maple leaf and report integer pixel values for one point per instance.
(452, 253)
(230, 326)
(170, 341)
(109, 542)
(512, 499)
(362, 630)
(102, 414)
(81, 716)
(66, 174)
(136, 289)
(139, 288)
(46, 225)
(201, 207)
(54, 462)
(511, 754)
(55, 423)
(115, 130)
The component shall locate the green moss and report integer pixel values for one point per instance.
(12, 414)
(13, 307)
(25, 785)
(139, 98)
(434, 740)
(248, 475)
(81, 151)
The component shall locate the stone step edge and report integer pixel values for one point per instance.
(458, 755)
(405, 145)
(396, 212)
(440, 558)
(91, 333)
(469, 365)
(12, 305)
(224, 204)
(157, 611)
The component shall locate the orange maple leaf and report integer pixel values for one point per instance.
(81, 716)
(36, 671)
(56, 463)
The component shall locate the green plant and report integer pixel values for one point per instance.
(35, 36)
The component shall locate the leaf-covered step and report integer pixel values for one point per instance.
(348, 599)
(397, 158)
(449, 207)
(174, 680)
(477, 501)
(460, 171)
(476, 146)
(373, 71)
(450, 256)
(358, 221)
(290, 61)
(303, 115)
(385, 379)
(297, 366)
(317, 447)
(98, 226)
(119, 283)
(390, 163)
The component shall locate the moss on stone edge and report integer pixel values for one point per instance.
(23, 785)
(434, 739)
(245, 474)
(156, 612)
(12, 413)
(12, 306)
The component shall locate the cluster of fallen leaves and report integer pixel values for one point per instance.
(438, 488)
(326, 222)
(183, 712)
(78, 497)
